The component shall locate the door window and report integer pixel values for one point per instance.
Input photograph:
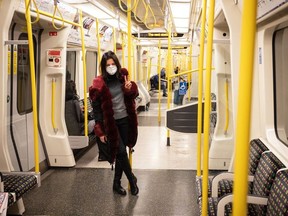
(24, 93)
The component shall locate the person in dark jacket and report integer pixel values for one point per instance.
(154, 81)
(113, 101)
(74, 116)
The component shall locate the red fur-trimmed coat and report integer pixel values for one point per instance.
(100, 92)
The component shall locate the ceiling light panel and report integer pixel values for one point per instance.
(92, 10)
(181, 22)
(75, 1)
(181, 1)
(180, 10)
(182, 30)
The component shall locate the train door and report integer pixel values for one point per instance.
(74, 71)
(20, 111)
(91, 59)
(75, 68)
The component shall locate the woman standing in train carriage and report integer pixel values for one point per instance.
(113, 103)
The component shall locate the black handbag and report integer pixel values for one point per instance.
(104, 150)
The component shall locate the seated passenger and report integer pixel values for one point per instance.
(154, 81)
(74, 115)
(176, 70)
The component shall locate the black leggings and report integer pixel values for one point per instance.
(123, 128)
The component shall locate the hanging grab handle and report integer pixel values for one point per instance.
(148, 7)
(128, 9)
(37, 12)
(135, 11)
(54, 13)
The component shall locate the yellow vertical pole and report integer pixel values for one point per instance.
(227, 107)
(98, 42)
(129, 53)
(168, 73)
(9, 60)
(183, 59)
(123, 50)
(200, 87)
(190, 74)
(129, 35)
(84, 75)
(159, 87)
(15, 59)
(207, 108)
(159, 69)
(149, 71)
(181, 68)
(244, 106)
(33, 84)
(134, 60)
(114, 40)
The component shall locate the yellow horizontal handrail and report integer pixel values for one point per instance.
(187, 72)
(59, 18)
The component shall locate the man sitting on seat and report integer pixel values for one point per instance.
(154, 81)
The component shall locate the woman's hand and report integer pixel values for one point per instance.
(103, 139)
(127, 83)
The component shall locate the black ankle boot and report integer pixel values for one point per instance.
(117, 188)
(134, 188)
(134, 178)
(117, 179)
(125, 165)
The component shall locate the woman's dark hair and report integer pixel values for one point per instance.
(106, 56)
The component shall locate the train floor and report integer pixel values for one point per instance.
(166, 178)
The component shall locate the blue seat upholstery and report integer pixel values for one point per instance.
(257, 147)
(225, 186)
(278, 198)
(213, 121)
(264, 177)
(18, 184)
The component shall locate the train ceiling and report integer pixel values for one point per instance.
(154, 14)
(147, 15)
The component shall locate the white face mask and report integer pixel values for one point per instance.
(112, 69)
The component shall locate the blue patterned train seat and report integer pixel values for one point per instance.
(18, 184)
(225, 186)
(278, 198)
(262, 185)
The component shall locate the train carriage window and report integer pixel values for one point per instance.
(280, 80)
(24, 93)
(71, 64)
(91, 62)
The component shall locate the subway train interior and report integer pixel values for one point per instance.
(212, 128)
